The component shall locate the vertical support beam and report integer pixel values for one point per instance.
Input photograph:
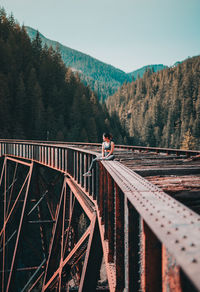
(133, 249)
(4, 232)
(105, 204)
(55, 246)
(19, 230)
(119, 223)
(93, 258)
(151, 257)
(62, 239)
(170, 273)
(110, 218)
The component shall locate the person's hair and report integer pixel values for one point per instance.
(107, 135)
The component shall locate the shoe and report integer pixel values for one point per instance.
(87, 174)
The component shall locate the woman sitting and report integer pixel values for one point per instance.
(107, 152)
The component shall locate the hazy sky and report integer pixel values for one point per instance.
(127, 34)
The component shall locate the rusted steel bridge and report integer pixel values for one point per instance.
(134, 225)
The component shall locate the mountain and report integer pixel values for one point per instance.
(140, 72)
(162, 109)
(102, 78)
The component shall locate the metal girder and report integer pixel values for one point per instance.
(133, 217)
(93, 259)
(7, 215)
(164, 216)
(17, 238)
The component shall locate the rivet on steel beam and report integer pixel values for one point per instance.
(156, 219)
(168, 232)
(184, 236)
(194, 261)
(151, 214)
(161, 225)
(192, 244)
(176, 228)
(184, 216)
(176, 241)
(183, 248)
(192, 222)
(163, 216)
(169, 222)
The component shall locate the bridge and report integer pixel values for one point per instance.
(134, 225)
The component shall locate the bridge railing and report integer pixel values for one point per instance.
(150, 239)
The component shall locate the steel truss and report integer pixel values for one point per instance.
(64, 225)
(40, 222)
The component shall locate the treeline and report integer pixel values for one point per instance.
(162, 109)
(40, 98)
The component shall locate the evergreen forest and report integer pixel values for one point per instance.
(102, 78)
(42, 99)
(162, 109)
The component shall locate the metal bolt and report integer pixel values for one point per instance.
(194, 261)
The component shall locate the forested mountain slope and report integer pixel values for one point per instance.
(162, 109)
(102, 78)
(40, 98)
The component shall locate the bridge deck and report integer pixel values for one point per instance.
(178, 176)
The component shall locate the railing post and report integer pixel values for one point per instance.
(92, 177)
(101, 192)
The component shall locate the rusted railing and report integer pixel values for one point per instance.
(150, 241)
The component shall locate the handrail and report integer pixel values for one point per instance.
(123, 196)
(127, 147)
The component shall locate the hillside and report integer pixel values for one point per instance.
(102, 78)
(162, 109)
(140, 72)
(40, 98)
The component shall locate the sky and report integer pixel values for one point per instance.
(127, 34)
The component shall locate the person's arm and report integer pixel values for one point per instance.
(111, 150)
